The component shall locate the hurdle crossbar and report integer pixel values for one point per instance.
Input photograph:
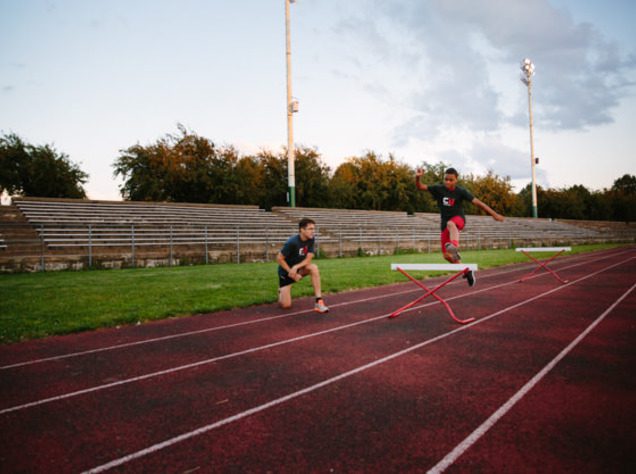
(558, 251)
(459, 268)
(543, 249)
(434, 267)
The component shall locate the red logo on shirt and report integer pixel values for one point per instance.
(448, 201)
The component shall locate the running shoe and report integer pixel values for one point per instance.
(320, 306)
(453, 252)
(470, 278)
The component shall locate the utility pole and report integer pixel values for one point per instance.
(292, 107)
(528, 71)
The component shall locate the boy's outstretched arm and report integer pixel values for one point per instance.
(418, 174)
(488, 209)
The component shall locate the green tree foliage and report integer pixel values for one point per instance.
(623, 199)
(189, 168)
(182, 168)
(274, 184)
(312, 178)
(29, 170)
(494, 191)
(369, 182)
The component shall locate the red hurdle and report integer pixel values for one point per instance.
(526, 251)
(463, 269)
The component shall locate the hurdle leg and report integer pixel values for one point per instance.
(544, 266)
(433, 293)
(417, 300)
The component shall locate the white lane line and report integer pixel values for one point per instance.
(471, 439)
(190, 333)
(228, 356)
(269, 318)
(232, 355)
(278, 401)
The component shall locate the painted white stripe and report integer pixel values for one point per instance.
(543, 249)
(228, 356)
(198, 331)
(436, 267)
(269, 318)
(471, 439)
(231, 355)
(278, 401)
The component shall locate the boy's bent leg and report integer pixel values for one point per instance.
(451, 247)
(284, 296)
(313, 271)
(453, 232)
(449, 250)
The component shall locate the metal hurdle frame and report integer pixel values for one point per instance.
(526, 251)
(460, 268)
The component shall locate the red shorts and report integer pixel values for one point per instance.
(445, 235)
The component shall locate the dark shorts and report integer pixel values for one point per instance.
(283, 278)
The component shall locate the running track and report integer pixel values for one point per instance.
(542, 381)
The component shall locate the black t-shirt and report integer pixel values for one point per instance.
(295, 250)
(450, 202)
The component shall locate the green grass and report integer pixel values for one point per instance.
(35, 305)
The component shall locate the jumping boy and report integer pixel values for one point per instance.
(294, 262)
(449, 199)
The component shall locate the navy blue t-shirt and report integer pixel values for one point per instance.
(295, 251)
(450, 202)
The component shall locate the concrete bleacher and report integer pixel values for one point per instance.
(387, 226)
(608, 229)
(365, 226)
(72, 223)
(523, 228)
(37, 233)
(57, 234)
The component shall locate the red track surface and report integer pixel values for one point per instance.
(522, 389)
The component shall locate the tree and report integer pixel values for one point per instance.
(249, 174)
(182, 168)
(29, 170)
(274, 180)
(342, 186)
(625, 184)
(493, 190)
(623, 198)
(312, 179)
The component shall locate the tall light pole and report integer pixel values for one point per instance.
(292, 107)
(527, 69)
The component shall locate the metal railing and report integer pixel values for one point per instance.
(138, 245)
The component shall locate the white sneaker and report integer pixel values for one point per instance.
(320, 306)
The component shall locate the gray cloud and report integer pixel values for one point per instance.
(493, 155)
(451, 51)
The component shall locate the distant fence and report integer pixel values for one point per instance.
(81, 246)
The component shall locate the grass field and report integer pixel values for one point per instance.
(40, 304)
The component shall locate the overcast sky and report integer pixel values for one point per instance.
(423, 80)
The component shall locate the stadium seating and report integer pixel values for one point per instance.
(71, 233)
(73, 223)
(366, 226)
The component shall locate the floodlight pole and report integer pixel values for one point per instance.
(291, 173)
(528, 71)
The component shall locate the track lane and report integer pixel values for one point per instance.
(299, 364)
(37, 384)
(57, 348)
(394, 418)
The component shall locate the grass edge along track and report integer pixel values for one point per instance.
(34, 305)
